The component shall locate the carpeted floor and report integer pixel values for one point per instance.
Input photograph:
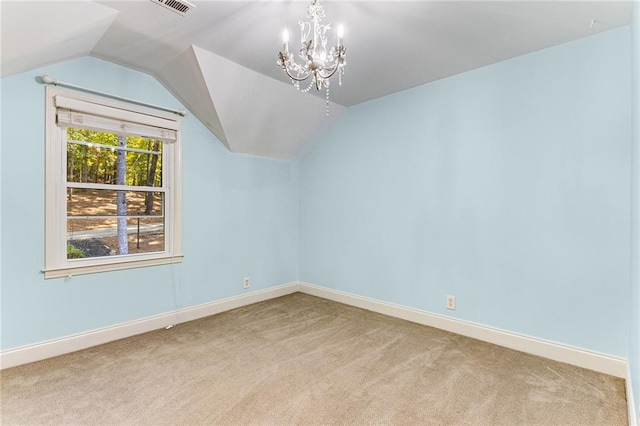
(303, 360)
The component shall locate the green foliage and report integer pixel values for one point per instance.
(97, 163)
(74, 252)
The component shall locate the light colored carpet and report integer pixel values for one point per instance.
(304, 360)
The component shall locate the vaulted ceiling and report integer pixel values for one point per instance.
(220, 59)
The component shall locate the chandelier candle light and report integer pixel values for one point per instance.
(316, 61)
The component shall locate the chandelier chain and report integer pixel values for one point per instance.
(327, 90)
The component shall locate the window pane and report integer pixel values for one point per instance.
(92, 157)
(104, 202)
(99, 238)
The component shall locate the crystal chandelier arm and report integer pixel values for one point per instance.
(328, 76)
(285, 67)
(334, 67)
(297, 78)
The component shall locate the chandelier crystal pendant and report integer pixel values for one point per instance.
(316, 61)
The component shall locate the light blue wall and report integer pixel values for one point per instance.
(634, 328)
(240, 218)
(507, 186)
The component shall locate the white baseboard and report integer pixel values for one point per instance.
(563, 353)
(547, 349)
(76, 342)
(631, 405)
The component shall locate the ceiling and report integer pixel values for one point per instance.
(220, 59)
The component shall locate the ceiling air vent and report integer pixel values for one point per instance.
(181, 7)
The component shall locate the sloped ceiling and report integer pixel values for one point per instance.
(30, 39)
(252, 113)
(219, 60)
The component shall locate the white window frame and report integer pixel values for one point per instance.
(56, 263)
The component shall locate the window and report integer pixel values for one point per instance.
(113, 185)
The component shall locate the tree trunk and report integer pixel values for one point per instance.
(151, 177)
(83, 166)
(70, 169)
(121, 203)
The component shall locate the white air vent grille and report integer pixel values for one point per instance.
(181, 7)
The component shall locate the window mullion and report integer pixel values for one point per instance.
(113, 147)
(112, 187)
(133, 216)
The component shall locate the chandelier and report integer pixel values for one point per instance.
(316, 62)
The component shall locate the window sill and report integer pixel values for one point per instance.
(71, 271)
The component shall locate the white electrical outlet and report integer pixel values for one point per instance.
(246, 283)
(451, 303)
